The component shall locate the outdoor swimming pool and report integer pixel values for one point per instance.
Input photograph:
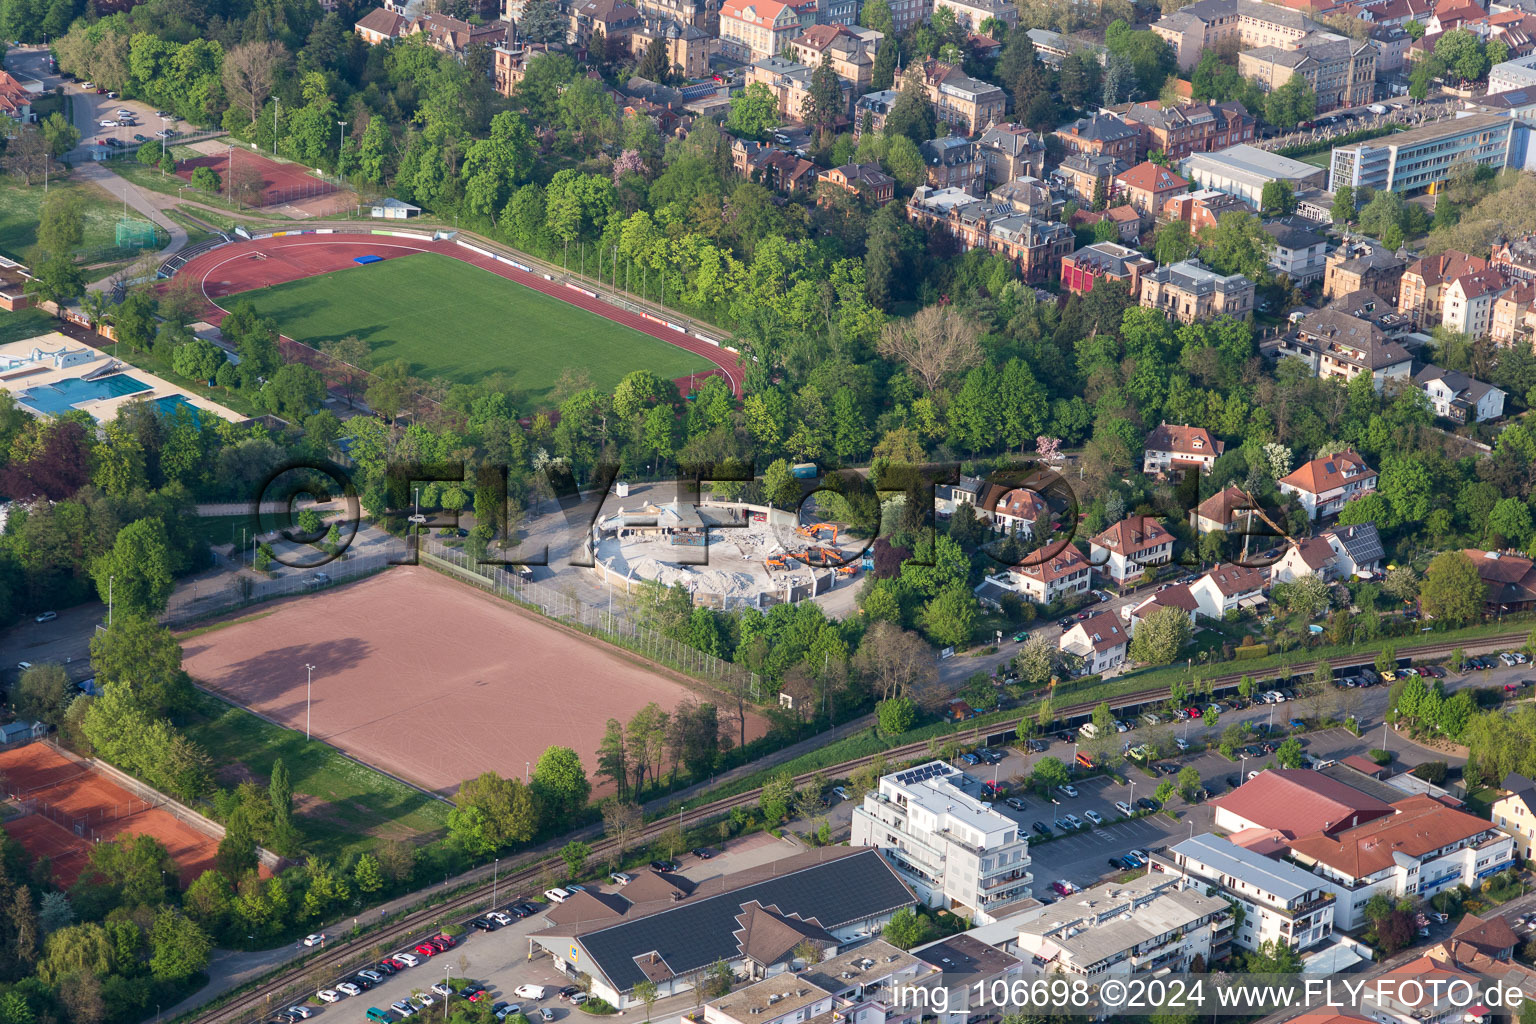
(170, 404)
(62, 396)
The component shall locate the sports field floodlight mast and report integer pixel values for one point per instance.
(309, 685)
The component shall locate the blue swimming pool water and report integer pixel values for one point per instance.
(61, 396)
(169, 405)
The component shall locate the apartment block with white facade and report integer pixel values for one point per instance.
(952, 849)
(1123, 551)
(1423, 848)
(1324, 485)
(1122, 928)
(1280, 901)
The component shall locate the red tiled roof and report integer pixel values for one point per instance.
(1362, 764)
(1133, 534)
(1300, 802)
(1022, 503)
(1236, 579)
(1149, 177)
(1420, 826)
(382, 21)
(1048, 565)
(1183, 440)
(1445, 266)
(1491, 935)
(1102, 630)
(1426, 969)
(1315, 552)
(1220, 507)
(1322, 475)
(1176, 596)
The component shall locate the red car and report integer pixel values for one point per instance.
(443, 942)
(1193, 712)
(427, 949)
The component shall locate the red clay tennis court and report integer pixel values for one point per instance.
(430, 680)
(256, 263)
(278, 182)
(69, 807)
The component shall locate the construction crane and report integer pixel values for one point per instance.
(1254, 509)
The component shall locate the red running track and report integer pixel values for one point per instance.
(246, 265)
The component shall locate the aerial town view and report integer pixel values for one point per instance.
(767, 511)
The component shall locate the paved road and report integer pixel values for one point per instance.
(87, 111)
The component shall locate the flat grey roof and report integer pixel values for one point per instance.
(1285, 881)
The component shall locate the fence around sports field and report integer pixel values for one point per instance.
(237, 590)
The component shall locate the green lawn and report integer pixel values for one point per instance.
(342, 805)
(449, 319)
(28, 323)
(1322, 159)
(20, 205)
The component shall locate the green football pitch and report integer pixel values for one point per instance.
(449, 319)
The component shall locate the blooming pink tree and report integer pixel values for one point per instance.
(1048, 448)
(629, 160)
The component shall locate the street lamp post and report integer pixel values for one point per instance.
(309, 683)
(164, 122)
(526, 768)
(494, 868)
(341, 140)
(110, 581)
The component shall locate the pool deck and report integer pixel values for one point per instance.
(44, 373)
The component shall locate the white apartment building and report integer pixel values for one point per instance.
(952, 849)
(1227, 588)
(1049, 574)
(1122, 928)
(1100, 640)
(1422, 849)
(1280, 902)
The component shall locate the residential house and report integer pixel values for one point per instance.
(965, 104)
(1281, 903)
(789, 82)
(1221, 512)
(1089, 177)
(1017, 511)
(1050, 574)
(906, 13)
(1035, 246)
(1468, 301)
(1172, 449)
(1341, 71)
(1391, 48)
(867, 181)
(1422, 293)
(1299, 253)
(1456, 396)
(753, 30)
(955, 162)
(1011, 151)
(689, 47)
(1421, 849)
(1512, 313)
(969, 967)
(1335, 344)
(615, 20)
(381, 25)
(871, 110)
(1324, 485)
(1137, 927)
(1104, 261)
(1052, 47)
(1514, 812)
(1515, 258)
(1029, 196)
(1181, 130)
(952, 849)
(1510, 579)
(701, 14)
(508, 66)
(1126, 549)
(1177, 595)
(1099, 640)
(1229, 588)
(1335, 554)
(444, 34)
(1361, 264)
(1146, 187)
(1202, 209)
(775, 168)
(1126, 220)
(1100, 135)
(1189, 291)
(851, 51)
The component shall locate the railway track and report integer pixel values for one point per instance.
(295, 982)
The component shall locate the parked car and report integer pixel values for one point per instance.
(497, 916)
(970, 758)
(1152, 718)
(663, 866)
(557, 895)
(568, 991)
(1094, 816)
(1042, 828)
(106, 123)
(1015, 803)
(546, 1014)
(1124, 808)
(427, 949)
(442, 989)
(424, 998)
(1037, 746)
(373, 976)
(1181, 743)
(1063, 824)
(362, 983)
(482, 925)
(385, 967)
(529, 991)
(1069, 790)
(621, 878)
(840, 792)
(349, 989)
(1146, 803)
(403, 1007)
(315, 940)
(47, 616)
(328, 995)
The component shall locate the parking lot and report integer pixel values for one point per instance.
(499, 961)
